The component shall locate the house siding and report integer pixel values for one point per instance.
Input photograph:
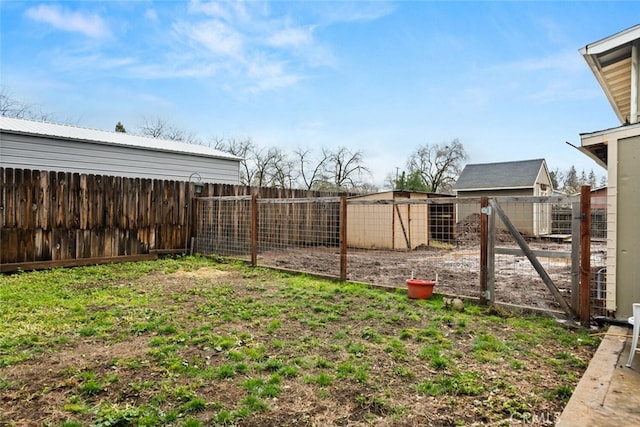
(628, 237)
(53, 154)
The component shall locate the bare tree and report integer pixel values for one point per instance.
(310, 171)
(283, 173)
(162, 129)
(263, 162)
(344, 169)
(339, 169)
(439, 165)
(10, 106)
(242, 148)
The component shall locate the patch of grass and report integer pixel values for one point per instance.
(253, 404)
(460, 384)
(225, 371)
(273, 326)
(260, 387)
(193, 405)
(487, 347)
(370, 334)
(322, 379)
(397, 349)
(433, 355)
(404, 372)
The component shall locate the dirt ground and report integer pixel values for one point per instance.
(457, 270)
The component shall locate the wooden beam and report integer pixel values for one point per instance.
(404, 231)
(585, 254)
(575, 256)
(536, 252)
(44, 265)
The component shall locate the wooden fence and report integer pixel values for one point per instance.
(50, 219)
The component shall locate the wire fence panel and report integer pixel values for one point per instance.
(223, 226)
(516, 279)
(600, 299)
(300, 234)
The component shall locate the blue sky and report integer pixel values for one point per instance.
(505, 78)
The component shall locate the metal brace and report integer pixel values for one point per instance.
(486, 210)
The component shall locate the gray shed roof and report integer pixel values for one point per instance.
(73, 133)
(518, 174)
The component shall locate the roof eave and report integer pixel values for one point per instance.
(597, 72)
(604, 47)
(611, 42)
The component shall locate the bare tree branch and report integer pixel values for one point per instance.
(344, 169)
(311, 177)
(162, 129)
(12, 107)
(439, 165)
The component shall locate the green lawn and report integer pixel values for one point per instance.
(195, 341)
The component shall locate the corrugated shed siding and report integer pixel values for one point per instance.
(19, 151)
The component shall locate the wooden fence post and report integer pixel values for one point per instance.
(585, 254)
(343, 238)
(254, 229)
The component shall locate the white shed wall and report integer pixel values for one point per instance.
(45, 153)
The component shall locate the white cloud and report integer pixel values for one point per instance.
(215, 36)
(90, 25)
(269, 76)
(81, 60)
(231, 10)
(151, 15)
(294, 37)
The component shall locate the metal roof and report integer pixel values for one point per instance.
(610, 59)
(484, 176)
(73, 133)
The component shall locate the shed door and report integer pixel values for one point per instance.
(542, 213)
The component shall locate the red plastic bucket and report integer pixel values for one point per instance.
(420, 289)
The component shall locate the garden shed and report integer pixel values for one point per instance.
(615, 62)
(389, 220)
(26, 144)
(509, 179)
